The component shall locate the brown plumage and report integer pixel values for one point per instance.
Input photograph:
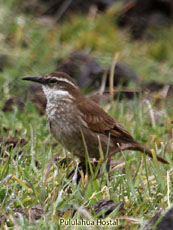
(99, 121)
(72, 117)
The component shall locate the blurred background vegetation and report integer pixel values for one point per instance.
(34, 37)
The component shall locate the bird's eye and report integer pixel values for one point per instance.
(52, 80)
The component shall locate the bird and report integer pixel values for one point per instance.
(81, 125)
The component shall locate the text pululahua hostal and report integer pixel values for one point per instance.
(85, 222)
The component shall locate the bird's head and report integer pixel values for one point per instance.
(56, 85)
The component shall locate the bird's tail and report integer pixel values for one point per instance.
(146, 150)
(137, 147)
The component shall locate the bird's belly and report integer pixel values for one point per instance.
(79, 142)
(68, 135)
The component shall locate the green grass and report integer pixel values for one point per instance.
(33, 48)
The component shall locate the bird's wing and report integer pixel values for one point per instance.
(99, 121)
(96, 119)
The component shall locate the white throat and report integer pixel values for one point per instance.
(53, 94)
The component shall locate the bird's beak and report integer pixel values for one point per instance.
(38, 79)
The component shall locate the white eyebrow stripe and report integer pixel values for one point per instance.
(65, 80)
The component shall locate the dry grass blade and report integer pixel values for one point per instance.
(6, 179)
(131, 219)
(168, 186)
(16, 226)
(111, 77)
(151, 113)
(127, 7)
(46, 175)
(32, 146)
(83, 212)
(117, 167)
(62, 9)
(103, 83)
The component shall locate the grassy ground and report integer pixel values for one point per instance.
(26, 179)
